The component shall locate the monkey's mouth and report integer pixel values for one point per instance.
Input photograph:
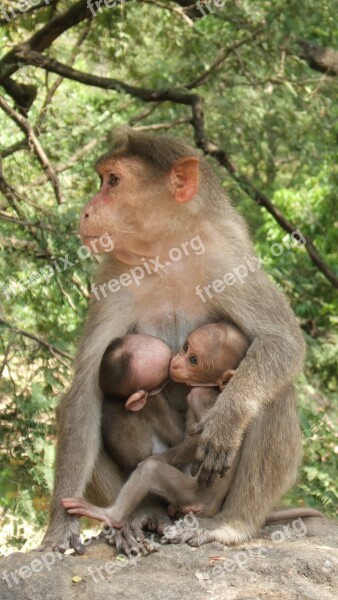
(178, 379)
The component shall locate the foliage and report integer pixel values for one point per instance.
(277, 120)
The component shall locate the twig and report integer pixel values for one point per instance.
(34, 143)
(52, 349)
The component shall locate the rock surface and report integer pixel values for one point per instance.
(284, 563)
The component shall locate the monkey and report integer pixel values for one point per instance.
(133, 372)
(208, 358)
(137, 367)
(157, 197)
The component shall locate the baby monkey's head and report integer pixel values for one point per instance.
(135, 367)
(210, 355)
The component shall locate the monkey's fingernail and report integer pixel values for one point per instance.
(195, 467)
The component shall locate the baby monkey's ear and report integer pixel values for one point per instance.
(137, 401)
(227, 375)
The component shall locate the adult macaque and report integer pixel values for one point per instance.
(137, 363)
(156, 194)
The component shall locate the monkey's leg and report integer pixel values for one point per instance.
(152, 476)
(105, 483)
(267, 468)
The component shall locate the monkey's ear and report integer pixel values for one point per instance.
(184, 178)
(227, 375)
(136, 401)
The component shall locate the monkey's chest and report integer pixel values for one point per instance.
(168, 307)
(172, 320)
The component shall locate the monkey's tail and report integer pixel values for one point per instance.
(292, 513)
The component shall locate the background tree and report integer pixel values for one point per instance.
(254, 86)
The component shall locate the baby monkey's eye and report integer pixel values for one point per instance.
(113, 179)
(185, 347)
(193, 359)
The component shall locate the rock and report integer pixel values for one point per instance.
(285, 563)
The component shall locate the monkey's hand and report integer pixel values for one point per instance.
(63, 534)
(219, 440)
(197, 531)
(130, 538)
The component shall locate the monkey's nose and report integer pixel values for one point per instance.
(174, 367)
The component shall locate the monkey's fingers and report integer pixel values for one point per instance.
(201, 454)
(162, 525)
(74, 542)
(219, 469)
(206, 471)
(200, 538)
(176, 535)
(120, 543)
(131, 539)
(72, 502)
(214, 466)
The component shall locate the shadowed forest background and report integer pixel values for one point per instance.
(255, 87)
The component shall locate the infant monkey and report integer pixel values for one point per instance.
(206, 362)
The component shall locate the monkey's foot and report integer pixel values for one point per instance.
(79, 506)
(200, 531)
(130, 538)
(63, 535)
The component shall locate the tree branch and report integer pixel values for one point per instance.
(178, 96)
(52, 349)
(43, 38)
(33, 141)
(38, 225)
(148, 95)
(223, 55)
(209, 148)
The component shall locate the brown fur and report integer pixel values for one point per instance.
(256, 411)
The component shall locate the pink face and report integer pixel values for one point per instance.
(131, 211)
(188, 365)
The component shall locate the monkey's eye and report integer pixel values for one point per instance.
(193, 359)
(113, 179)
(185, 347)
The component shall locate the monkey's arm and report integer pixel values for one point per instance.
(79, 425)
(272, 362)
(181, 454)
(200, 400)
